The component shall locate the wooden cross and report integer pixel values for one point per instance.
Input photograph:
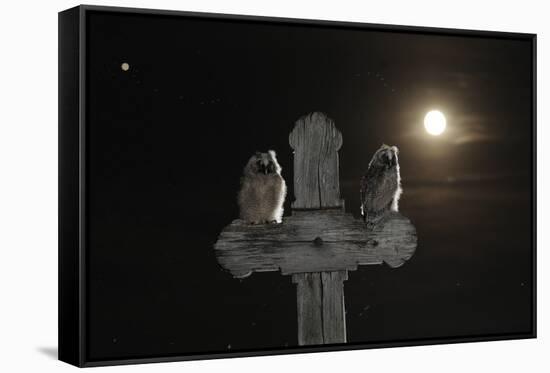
(319, 243)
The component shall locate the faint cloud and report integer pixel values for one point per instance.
(461, 129)
(466, 80)
(473, 137)
(471, 128)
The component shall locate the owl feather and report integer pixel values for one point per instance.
(381, 185)
(263, 190)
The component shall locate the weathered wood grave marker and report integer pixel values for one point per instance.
(319, 243)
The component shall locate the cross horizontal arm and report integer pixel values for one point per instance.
(314, 241)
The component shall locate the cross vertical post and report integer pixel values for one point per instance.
(320, 295)
(321, 309)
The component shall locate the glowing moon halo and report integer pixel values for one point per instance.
(435, 122)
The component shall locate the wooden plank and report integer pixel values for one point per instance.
(314, 241)
(316, 142)
(320, 307)
(309, 308)
(334, 315)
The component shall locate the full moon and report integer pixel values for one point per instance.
(435, 122)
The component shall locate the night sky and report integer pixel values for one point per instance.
(168, 138)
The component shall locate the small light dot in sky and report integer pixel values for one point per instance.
(125, 66)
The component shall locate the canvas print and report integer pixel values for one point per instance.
(255, 186)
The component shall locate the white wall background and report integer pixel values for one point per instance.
(28, 184)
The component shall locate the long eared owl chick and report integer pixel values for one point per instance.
(263, 190)
(381, 186)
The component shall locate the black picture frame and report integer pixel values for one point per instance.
(73, 184)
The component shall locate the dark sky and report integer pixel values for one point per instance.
(168, 139)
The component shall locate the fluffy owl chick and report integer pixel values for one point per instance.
(381, 186)
(263, 190)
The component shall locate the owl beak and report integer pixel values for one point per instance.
(263, 169)
(391, 159)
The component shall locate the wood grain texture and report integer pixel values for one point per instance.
(314, 241)
(320, 307)
(316, 142)
(309, 307)
(334, 314)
